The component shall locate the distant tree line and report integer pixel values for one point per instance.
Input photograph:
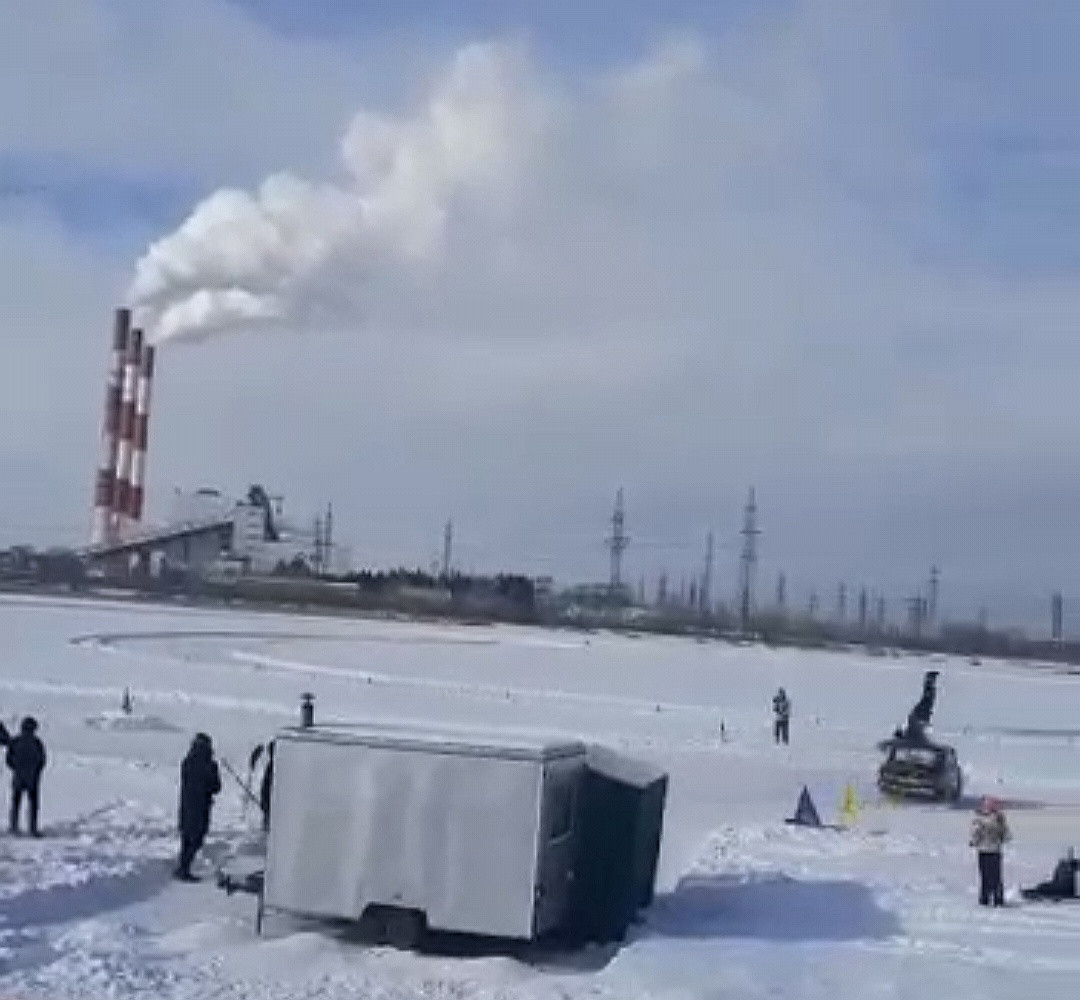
(23, 564)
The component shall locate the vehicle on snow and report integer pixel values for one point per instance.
(915, 766)
(921, 770)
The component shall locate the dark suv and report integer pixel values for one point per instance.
(921, 770)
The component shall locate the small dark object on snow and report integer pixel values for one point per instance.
(200, 781)
(252, 883)
(1061, 885)
(26, 758)
(806, 813)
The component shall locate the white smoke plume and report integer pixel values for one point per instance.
(255, 258)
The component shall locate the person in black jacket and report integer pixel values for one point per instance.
(26, 758)
(267, 785)
(200, 781)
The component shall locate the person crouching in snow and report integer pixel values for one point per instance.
(1062, 884)
(989, 835)
(200, 781)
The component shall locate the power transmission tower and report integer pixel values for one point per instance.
(781, 593)
(748, 561)
(917, 614)
(448, 549)
(841, 602)
(1057, 608)
(318, 558)
(617, 542)
(811, 605)
(932, 608)
(328, 539)
(705, 590)
(881, 613)
(862, 609)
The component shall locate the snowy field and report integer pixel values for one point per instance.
(747, 906)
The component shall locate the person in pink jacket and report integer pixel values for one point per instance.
(989, 835)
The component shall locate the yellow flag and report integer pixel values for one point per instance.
(849, 806)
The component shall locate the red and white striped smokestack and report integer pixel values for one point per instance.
(141, 435)
(122, 484)
(110, 426)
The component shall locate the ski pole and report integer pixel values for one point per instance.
(252, 761)
(240, 781)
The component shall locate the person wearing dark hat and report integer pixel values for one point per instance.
(200, 781)
(26, 759)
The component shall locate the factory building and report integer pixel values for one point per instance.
(205, 532)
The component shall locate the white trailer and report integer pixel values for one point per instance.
(410, 828)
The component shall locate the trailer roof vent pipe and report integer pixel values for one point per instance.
(307, 710)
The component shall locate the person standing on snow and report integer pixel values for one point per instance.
(200, 781)
(267, 785)
(781, 707)
(989, 835)
(26, 758)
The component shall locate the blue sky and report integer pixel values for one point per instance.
(987, 90)
(831, 247)
(574, 34)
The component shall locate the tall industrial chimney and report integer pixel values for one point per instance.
(122, 484)
(101, 527)
(140, 435)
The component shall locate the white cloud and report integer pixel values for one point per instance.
(243, 258)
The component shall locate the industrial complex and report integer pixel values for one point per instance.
(205, 531)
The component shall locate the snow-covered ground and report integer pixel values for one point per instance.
(747, 906)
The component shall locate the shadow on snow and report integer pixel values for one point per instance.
(61, 904)
(769, 908)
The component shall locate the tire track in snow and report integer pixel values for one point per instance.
(114, 643)
(174, 697)
(488, 691)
